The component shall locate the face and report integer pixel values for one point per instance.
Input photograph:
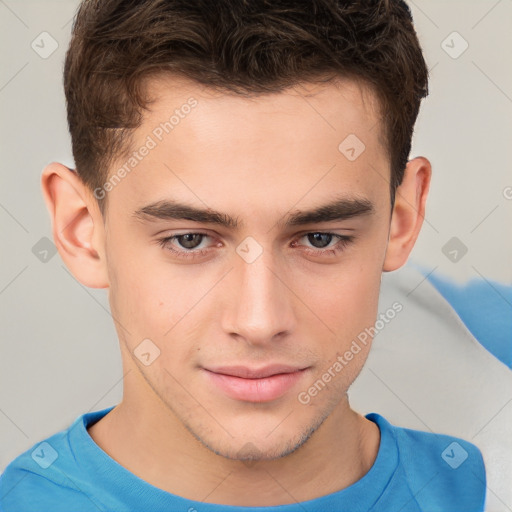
(281, 265)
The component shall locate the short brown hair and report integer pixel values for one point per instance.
(241, 46)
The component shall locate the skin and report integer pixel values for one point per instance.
(258, 160)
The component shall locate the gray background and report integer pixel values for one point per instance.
(59, 354)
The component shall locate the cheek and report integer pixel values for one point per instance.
(348, 306)
(349, 312)
(345, 296)
(346, 303)
(152, 300)
(139, 295)
(361, 302)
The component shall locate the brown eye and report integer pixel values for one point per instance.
(189, 240)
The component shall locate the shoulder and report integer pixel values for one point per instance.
(443, 472)
(26, 488)
(45, 477)
(23, 490)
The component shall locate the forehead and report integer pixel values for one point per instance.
(339, 104)
(211, 144)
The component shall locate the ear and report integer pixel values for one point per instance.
(77, 225)
(408, 212)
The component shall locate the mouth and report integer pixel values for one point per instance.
(255, 385)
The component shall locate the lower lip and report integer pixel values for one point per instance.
(255, 390)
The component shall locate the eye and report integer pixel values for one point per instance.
(188, 245)
(188, 242)
(322, 243)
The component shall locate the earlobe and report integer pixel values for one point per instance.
(77, 225)
(408, 213)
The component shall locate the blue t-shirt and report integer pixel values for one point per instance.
(414, 471)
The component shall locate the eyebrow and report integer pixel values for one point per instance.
(336, 210)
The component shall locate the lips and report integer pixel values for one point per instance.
(254, 384)
(254, 373)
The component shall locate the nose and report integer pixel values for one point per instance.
(260, 310)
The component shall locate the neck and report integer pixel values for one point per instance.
(146, 438)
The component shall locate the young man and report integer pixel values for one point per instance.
(242, 181)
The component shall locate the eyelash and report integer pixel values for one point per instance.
(343, 241)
